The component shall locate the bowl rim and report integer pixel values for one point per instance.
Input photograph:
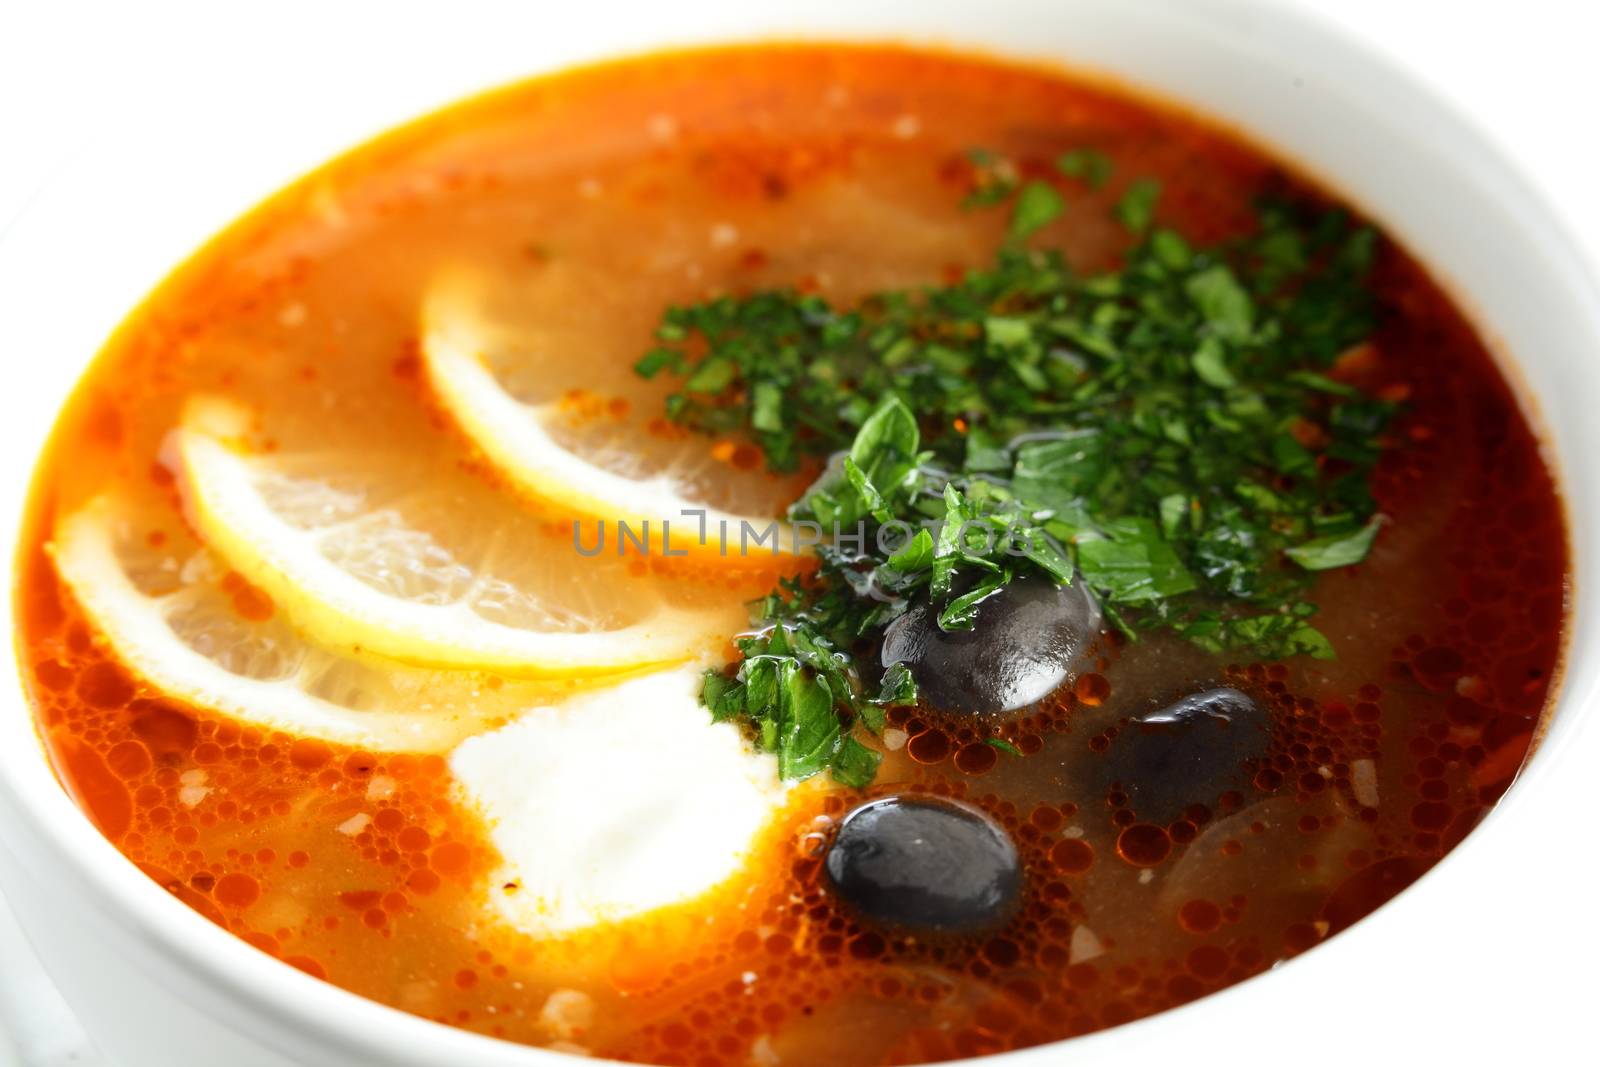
(35, 804)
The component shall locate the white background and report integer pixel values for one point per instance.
(1527, 70)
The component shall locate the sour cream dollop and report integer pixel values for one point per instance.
(615, 802)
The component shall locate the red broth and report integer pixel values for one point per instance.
(679, 176)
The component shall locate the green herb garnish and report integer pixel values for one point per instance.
(1137, 208)
(1091, 167)
(994, 178)
(1038, 205)
(1168, 433)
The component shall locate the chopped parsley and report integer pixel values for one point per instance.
(1093, 168)
(1038, 205)
(1167, 432)
(1137, 208)
(994, 178)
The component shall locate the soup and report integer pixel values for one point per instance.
(792, 554)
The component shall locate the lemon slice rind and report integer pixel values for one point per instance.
(340, 611)
(132, 624)
(511, 436)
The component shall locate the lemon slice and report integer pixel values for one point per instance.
(361, 567)
(676, 491)
(190, 628)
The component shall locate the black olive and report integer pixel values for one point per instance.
(1189, 752)
(924, 863)
(1023, 644)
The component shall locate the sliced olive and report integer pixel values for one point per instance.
(1189, 752)
(925, 864)
(1023, 644)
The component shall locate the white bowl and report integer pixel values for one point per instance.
(155, 984)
